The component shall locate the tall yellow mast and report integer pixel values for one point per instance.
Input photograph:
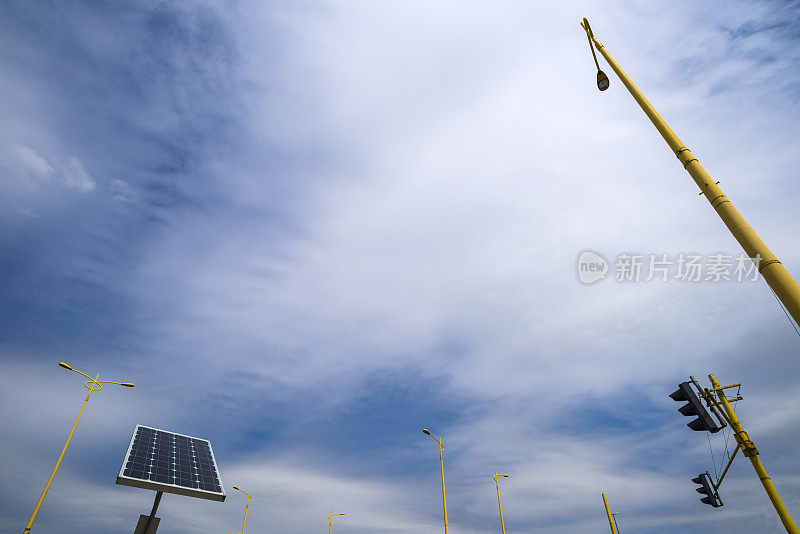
(770, 267)
(610, 517)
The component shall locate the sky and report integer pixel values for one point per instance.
(307, 230)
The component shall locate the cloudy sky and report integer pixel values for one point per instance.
(306, 230)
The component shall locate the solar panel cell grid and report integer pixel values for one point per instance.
(157, 458)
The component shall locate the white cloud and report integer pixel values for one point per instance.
(74, 176)
(32, 163)
(122, 191)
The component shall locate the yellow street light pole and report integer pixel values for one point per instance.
(502, 525)
(246, 504)
(750, 451)
(330, 520)
(90, 385)
(770, 267)
(608, 513)
(441, 461)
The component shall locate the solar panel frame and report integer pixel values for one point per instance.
(157, 461)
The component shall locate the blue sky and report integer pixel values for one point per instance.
(308, 230)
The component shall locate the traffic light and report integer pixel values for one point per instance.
(704, 420)
(707, 489)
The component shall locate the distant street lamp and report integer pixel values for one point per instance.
(96, 385)
(245, 505)
(330, 520)
(496, 474)
(441, 461)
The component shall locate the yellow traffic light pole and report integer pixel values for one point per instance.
(608, 513)
(750, 451)
(770, 267)
(92, 384)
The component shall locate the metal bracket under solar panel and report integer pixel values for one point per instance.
(142, 525)
(171, 486)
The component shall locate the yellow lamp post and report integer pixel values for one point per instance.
(246, 504)
(330, 520)
(611, 521)
(496, 474)
(441, 461)
(775, 274)
(92, 384)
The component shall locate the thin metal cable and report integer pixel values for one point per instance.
(784, 310)
(713, 461)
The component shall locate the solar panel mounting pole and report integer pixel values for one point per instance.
(153, 512)
(770, 267)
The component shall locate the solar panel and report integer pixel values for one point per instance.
(165, 461)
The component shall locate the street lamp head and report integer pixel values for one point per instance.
(602, 80)
(504, 475)
(127, 384)
(342, 513)
(424, 430)
(236, 488)
(64, 365)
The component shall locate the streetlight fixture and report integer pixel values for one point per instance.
(246, 504)
(441, 461)
(602, 79)
(330, 519)
(496, 474)
(92, 384)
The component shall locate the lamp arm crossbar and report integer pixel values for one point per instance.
(719, 482)
(726, 387)
(84, 374)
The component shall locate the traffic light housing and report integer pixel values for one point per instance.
(695, 407)
(707, 488)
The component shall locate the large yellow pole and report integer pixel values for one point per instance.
(608, 513)
(749, 449)
(58, 462)
(770, 267)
